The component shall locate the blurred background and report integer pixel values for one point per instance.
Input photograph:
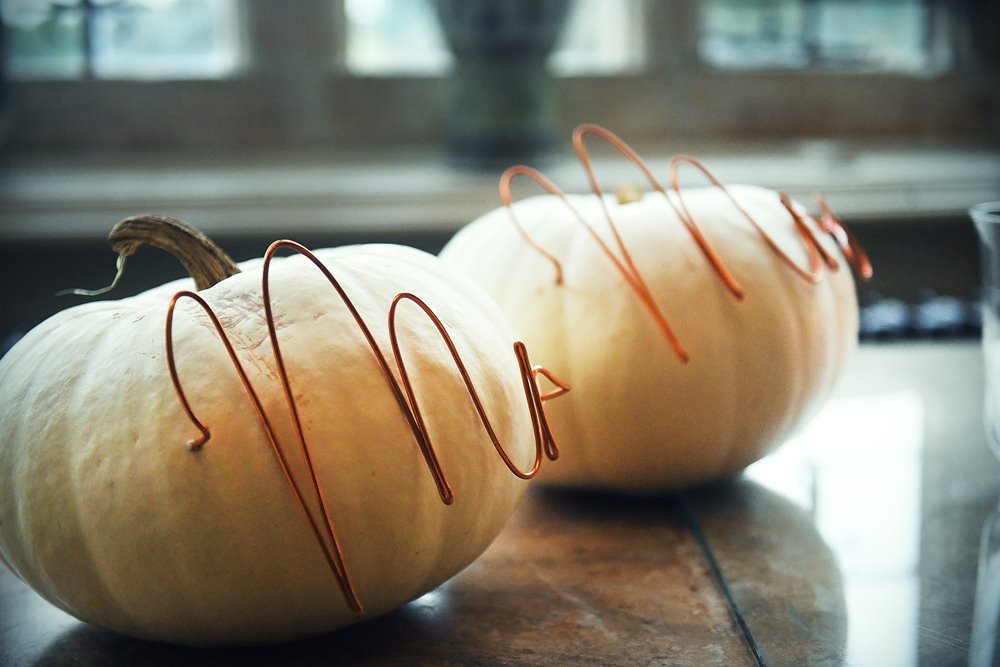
(342, 121)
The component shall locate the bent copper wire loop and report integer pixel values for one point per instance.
(402, 390)
(622, 259)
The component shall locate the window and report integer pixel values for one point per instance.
(233, 74)
(141, 39)
(601, 37)
(394, 37)
(163, 39)
(853, 35)
(388, 37)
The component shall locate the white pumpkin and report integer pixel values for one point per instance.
(681, 373)
(107, 514)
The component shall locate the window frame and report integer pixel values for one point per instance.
(292, 89)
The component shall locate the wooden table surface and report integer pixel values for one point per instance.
(857, 544)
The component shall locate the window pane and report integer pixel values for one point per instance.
(390, 37)
(165, 39)
(394, 37)
(853, 35)
(873, 35)
(601, 37)
(752, 35)
(145, 39)
(43, 40)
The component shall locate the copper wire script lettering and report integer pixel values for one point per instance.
(402, 389)
(620, 257)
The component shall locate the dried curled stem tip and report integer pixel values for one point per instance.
(119, 272)
(204, 261)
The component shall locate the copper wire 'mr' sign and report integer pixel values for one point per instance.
(402, 389)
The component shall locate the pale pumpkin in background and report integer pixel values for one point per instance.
(106, 512)
(648, 413)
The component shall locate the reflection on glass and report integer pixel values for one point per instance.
(986, 217)
(857, 469)
(983, 651)
(985, 626)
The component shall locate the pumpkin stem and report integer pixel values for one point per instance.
(204, 261)
(628, 194)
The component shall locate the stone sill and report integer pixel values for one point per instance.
(407, 192)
